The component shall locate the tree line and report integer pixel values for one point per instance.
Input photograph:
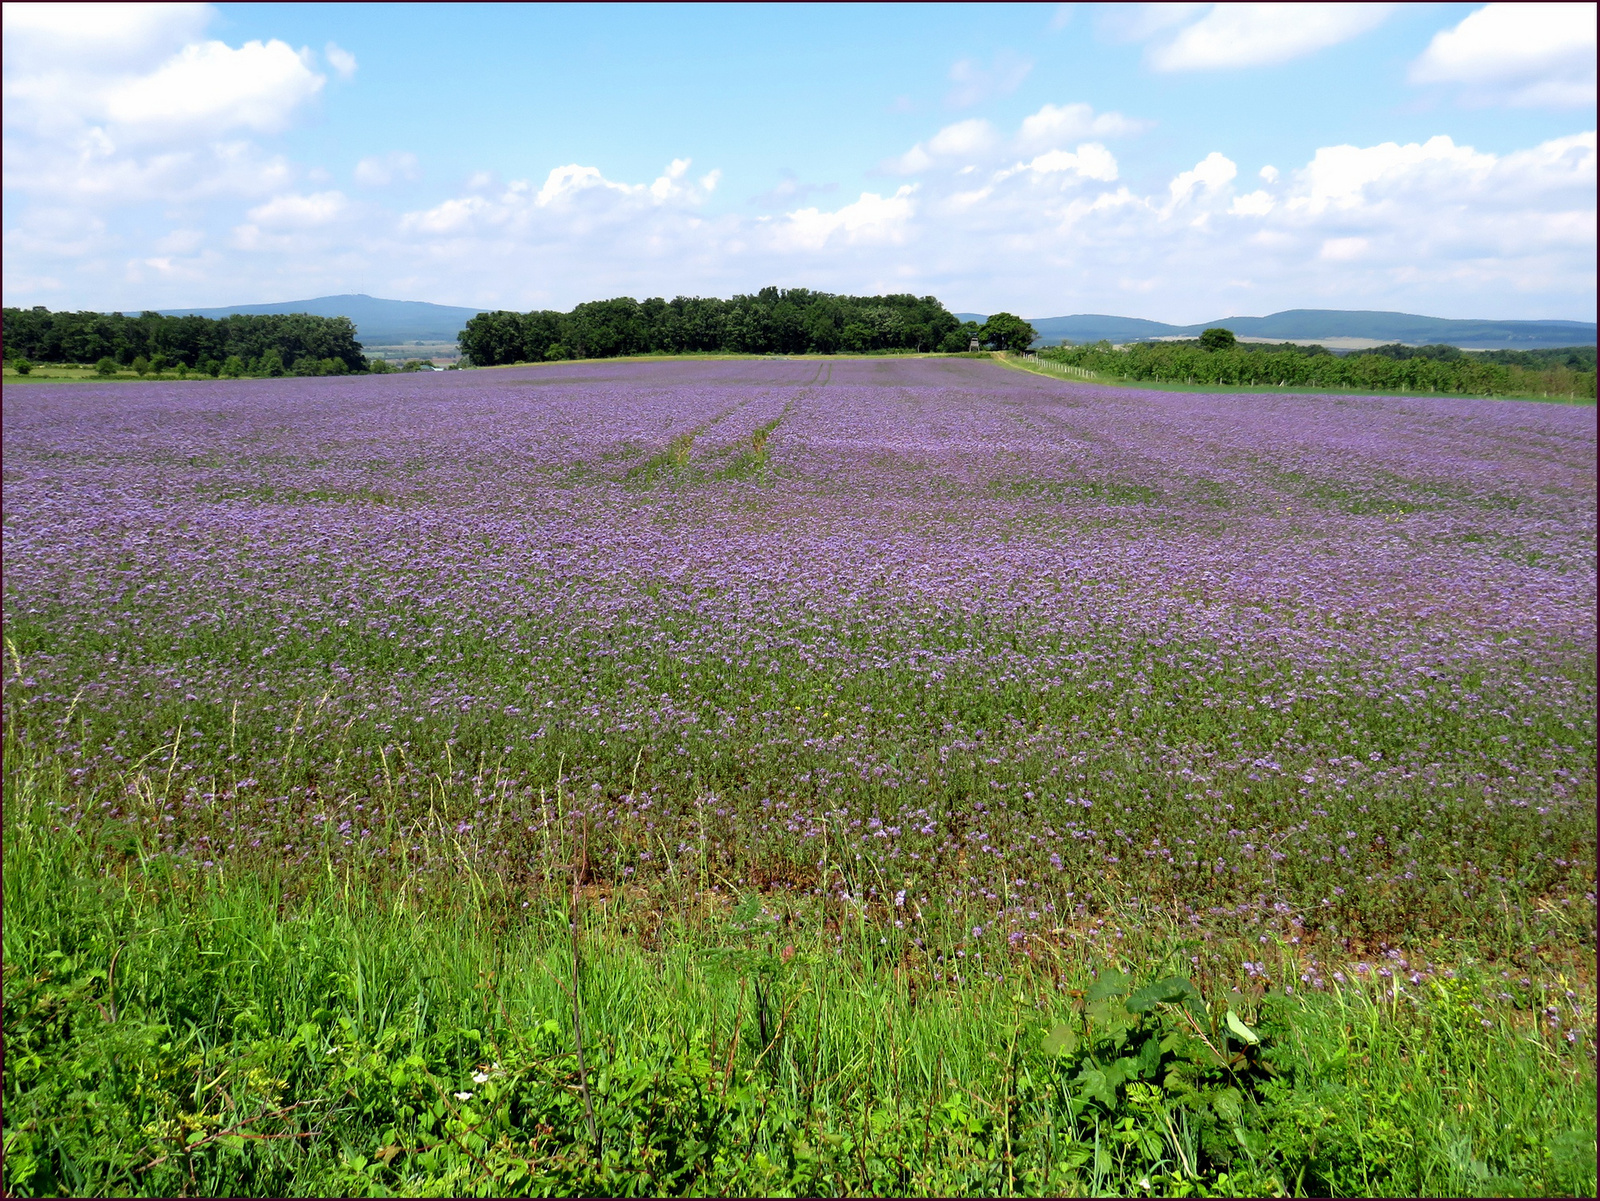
(1216, 358)
(244, 344)
(772, 321)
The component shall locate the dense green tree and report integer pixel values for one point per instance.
(48, 337)
(1218, 338)
(771, 321)
(1004, 331)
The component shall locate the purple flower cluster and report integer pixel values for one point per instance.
(1285, 667)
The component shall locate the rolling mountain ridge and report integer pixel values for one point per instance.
(378, 322)
(1330, 325)
(382, 322)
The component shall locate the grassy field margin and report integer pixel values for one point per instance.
(173, 1031)
(1082, 376)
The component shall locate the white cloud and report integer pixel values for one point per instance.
(341, 60)
(975, 84)
(964, 139)
(181, 241)
(211, 87)
(98, 33)
(45, 233)
(1091, 161)
(563, 183)
(291, 211)
(1208, 175)
(95, 172)
(1520, 54)
(1136, 22)
(1343, 250)
(452, 216)
(380, 170)
(109, 105)
(1254, 35)
(872, 219)
(1054, 125)
(1339, 176)
(1432, 226)
(1252, 204)
(666, 185)
(1269, 173)
(572, 192)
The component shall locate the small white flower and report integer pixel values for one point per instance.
(463, 1096)
(480, 1077)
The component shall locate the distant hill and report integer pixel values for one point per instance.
(1330, 324)
(378, 322)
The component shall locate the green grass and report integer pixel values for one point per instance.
(55, 373)
(1258, 389)
(174, 1029)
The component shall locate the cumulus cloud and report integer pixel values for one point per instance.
(975, 83)
(341, 60)
(1091, 161)
(1339, 177)
(962, 140)
(118, 103)
(1519, 54)
(1055, 125)
(1343, 250)
(1252, 35)
(1426, 226)
(873, 219)
(1252, 204)
(212, 87)
(181, 241)
(975, 142)
(380, 170)
(572, 191)
(98, 33)
(293, 211)
(1207, 176)
(790, 190)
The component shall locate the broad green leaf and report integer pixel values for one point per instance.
(1162, 992)
(1226, 1103)
(1149, 1058)
(1104, 1010)
(1240, 1031)
(1116, 1072)
(1096, 1086)
(1062, 1040)
(1112, 983)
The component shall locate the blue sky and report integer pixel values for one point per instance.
(1179, 162)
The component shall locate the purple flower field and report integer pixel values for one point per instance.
(1054, 660)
